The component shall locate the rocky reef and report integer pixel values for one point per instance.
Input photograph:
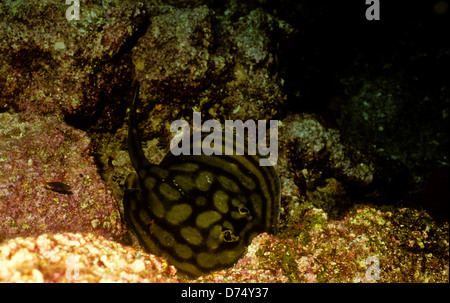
(362, 142)
(368, 245)
(69, 257)
(35, 151)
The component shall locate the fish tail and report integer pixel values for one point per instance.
(136, 153)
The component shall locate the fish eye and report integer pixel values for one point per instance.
(244, 210)
(228, 236)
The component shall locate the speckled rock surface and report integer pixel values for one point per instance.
(75, 258)
(405, 245)
(317, 169)
(368, 245)
(194, 59)
(37, 150)
(49, 65)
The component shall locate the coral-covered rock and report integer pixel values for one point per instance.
(172, 63)
(330, 174)
(368, 245)
(68, 257)
(183, 66)
(40, 150)
(173, 54)
(317, 169)
(248, 49)
(51, 65)
(310, 141)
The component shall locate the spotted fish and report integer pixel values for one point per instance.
(199, 212)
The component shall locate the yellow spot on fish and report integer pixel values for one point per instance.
(220, 200)
(169, 192)
(178, 213)
(207, 218)
(192, 235)
(204, 181)
(183, 251)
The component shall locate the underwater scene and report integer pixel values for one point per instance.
(224, 141)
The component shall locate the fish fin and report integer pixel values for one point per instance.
(136, 153)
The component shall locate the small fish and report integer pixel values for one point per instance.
(59, 187)
(199, 212)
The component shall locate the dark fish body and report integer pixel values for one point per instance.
(199, 212)
(59, 187)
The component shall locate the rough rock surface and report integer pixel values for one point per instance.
(368, 245)
(402, 243)
(49, 65)
(317, 169)
(36, 150)
(194, 59)
(75, 258)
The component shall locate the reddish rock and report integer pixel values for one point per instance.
(68, 257)
(49, 65)
(37, 150)
(369, 245)
(182, 66)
